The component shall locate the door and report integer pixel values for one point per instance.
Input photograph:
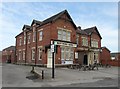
(85, 60)
(49, 58)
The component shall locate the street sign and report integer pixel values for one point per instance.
(52, 48)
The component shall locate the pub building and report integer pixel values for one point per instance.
(72, 44)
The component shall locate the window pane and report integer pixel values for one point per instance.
(68, 36)
(40, 35)
(59, 35)
(40, 54)
(33, 54)
(24, 37)
(34, 36)
(64, 35)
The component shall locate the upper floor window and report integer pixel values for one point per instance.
(24, 37)
(77, 39)
(34, 34)
(94, 43)
(28, 38)
(40, 35)
(64, 35)
(84, 41)
(60, 34)
(20, 42)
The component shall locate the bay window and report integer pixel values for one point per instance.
(94, 43)
(84, 41)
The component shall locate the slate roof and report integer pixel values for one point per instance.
(55, 17)
(36, 22)
(9, 48)
(27, 27)
(89, 31)
(105, 48)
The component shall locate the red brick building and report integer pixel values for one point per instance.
(73, 44)
(115, 59)
(105, 56)
(8, 54)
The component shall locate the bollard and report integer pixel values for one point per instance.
(32, 71)
(42, 74)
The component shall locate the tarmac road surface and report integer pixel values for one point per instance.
(15, 76)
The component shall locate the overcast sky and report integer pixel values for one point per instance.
(104, 15)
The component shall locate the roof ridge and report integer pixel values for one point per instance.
(55, 15)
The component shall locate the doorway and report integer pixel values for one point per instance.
(85, 60)
(49, 58)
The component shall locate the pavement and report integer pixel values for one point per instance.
(20, 76)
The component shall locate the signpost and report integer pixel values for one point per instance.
(52, 50)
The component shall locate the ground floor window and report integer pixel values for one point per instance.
(67, 53)
(19, 56)
(96, 57)
(40, 53)
(23, 54)
(33, 54)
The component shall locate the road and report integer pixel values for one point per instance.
(15, 76)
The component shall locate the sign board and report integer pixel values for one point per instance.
(65, 44)
(52, 48)
(97, 50)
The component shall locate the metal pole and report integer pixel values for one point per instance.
(53, 63)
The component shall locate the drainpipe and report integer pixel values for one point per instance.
(26, 48)
(15, 60)
(36, 48)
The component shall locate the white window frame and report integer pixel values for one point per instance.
(40, 35)
(24, 37)
(59, 34)
(77, 39)
(23, 56)
(20, 41)
(19, 56)
(69, 53)
(40, 53)
(34, 34)
(68, 36)
(84, 41)
(94, 43)
(29, 36)
(76, 55)
(33, 52)
(64, 35)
